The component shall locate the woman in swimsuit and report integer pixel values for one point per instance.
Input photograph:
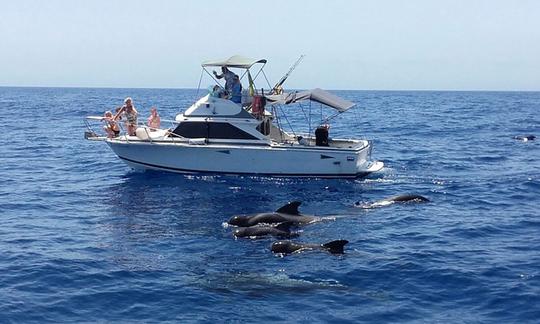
(111, 126)
(129, 111)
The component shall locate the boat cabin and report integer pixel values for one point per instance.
(217, 119)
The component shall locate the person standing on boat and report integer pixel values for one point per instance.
(129, 111)
(321, 135)
(154, 121)
(228, 76)
(236, 90)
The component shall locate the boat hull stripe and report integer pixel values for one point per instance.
(321, 175)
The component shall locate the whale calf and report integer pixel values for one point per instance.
(287, 213)
(392, 200)
(282, 230)
(288, 247)
(525, 138)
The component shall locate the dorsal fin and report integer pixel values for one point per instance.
(291, 208)
(285, 226)
(335, 246)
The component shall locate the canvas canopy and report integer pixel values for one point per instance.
(236, 61)
(317, 95)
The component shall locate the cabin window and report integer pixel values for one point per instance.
(211, 130)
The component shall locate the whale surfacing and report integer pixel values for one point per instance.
(407, 198)
(525, 138)
(282, 230)
(288, 247)
(392, 200)
(287, 213)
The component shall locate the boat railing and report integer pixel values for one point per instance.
(97, 133)
(305, 139)
(91, 133)
(173, 136)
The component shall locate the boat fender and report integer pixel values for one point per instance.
(142, 133)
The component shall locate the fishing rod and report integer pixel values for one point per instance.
(278, 89)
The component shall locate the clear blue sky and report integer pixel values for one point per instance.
(448, 45)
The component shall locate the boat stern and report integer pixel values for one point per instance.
(364, 164)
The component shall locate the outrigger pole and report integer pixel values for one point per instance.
(277, 89)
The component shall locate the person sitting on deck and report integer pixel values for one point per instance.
(229, 77)
(218, 92)
(154, 121)
(214, 91)
(236, 91)
(111, 126)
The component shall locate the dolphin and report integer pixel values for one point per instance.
(282, 230)
(392, 200)
(287, 213)
(288, 247)
(525, 138)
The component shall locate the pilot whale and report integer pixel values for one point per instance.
(525, 138)
(287, 213)
(282, 230)
(288, 247)
(392, 200)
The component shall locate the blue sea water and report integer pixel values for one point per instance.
(84, 238)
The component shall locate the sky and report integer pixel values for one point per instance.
(357, 45)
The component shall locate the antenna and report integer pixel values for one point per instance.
(278, 89)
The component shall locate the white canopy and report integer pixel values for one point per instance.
(317, 95)
(235, 61)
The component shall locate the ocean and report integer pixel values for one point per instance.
(83, 238)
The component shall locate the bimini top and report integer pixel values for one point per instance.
(317, 95)
(236, 61)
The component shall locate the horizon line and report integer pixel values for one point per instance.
(181, 88)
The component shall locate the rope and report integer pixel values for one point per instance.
(264, 74)
(288, 123)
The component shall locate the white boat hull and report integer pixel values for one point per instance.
(262, 160)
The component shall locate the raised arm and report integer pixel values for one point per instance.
(119, 113)
(218, 76)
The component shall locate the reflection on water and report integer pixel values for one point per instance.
(79, 228)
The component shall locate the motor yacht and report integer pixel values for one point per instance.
(218, 136)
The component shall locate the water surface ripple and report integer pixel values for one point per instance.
(83, 238)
